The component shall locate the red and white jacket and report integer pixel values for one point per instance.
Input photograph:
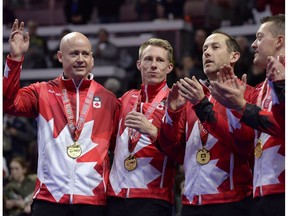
(62, 179)
(266, 114)
(227, 177)
(154, 175)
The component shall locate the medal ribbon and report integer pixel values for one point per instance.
(76, 128)
(203, 131)
(135, 135)
(203, 134)
(264, 102)
(265, 91)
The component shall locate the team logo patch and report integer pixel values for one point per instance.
(97, 102)
(160, 106)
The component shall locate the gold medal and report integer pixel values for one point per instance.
(74, 151)
(258, 149)
(203, 156)
(130, 163)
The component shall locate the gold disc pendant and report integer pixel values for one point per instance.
(258, 149)
(130, 163)
(74, 151)
(203, 156)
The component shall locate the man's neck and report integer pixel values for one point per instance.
(212, 77)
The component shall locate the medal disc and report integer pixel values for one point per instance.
(203, 156)
(258, 150)
(130, 163)
(74, 151)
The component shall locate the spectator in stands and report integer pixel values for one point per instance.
(17, 194)
(53, 54)
(37, 56)
(199, 38)
(78, 12)
(276, 6)
(5, 171)
(188, 69)
(114, 85)
(18, 133)
(104, 51)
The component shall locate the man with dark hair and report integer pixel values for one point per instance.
(218, 177)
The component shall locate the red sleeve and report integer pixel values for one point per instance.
(16, 101)
(171, 137)
(271, 122)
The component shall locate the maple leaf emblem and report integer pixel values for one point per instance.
(61, 174)
(270, 164)
(138, 178)
(201, 179)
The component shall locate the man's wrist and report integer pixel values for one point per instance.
(15, 57)
(241, 106)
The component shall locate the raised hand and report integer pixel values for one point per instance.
(275, 68)
(175, 101)
(230, 93)
(225, 73)
(191, 90)
(18, 40)
(138, 121)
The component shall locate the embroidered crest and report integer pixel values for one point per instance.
(97, 102)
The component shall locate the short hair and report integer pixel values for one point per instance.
(159, 43)
(277, 26)
(231, 42)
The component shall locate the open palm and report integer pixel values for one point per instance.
(18, 40)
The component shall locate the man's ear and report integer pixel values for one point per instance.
(92, 63)
(235, 57)
(280, 41)
(138, 64)
(170, 68)
(59, 56)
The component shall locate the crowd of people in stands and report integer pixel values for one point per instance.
(219, 12)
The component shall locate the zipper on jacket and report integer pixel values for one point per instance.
(77, 114)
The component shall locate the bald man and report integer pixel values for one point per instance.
(76, 118)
